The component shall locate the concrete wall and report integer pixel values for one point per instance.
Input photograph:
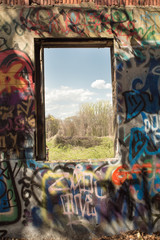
(80, 200)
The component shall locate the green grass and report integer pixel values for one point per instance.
(69, 152)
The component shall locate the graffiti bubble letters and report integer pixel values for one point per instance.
(75, 205)
(152, 123)
(77, 192)
(121, 174)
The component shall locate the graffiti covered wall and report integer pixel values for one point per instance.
(77, 199)
(80, 200)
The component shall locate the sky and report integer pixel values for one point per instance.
(74, 76)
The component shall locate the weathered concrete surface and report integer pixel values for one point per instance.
(77, 200)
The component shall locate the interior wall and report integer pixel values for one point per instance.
(77, 200)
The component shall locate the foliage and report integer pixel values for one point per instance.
(96, 118)
(93, 119)
(77, 141)
(52, 126)
(69, 152)
(82, 136)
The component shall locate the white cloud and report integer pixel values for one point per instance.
(65, 93)
(109, 95)
(101, 84)
(64, 101)
(61, 111)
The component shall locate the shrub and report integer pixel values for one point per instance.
(86, 142)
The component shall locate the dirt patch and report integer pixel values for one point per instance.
(132, 235)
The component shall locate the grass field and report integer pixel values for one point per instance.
(68, 152)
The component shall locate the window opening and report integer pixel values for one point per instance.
(76, 103)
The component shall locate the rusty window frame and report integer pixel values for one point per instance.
(40, 44)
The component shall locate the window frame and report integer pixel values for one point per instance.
(40, 44)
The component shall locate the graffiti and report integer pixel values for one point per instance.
(82, 208)
(19, 29)
(6, 27)
(152, 123)
(143, 142)
(28, 218)
(10, 207)
(75, 192)
(149, 17)
(25, 191)
(138, 143)
(3, 42)
(16, 73)
(138, 102)
(113, 194)
(79, 192)
(78, 189)
(139, 99)
(142, 103)
(52, 192)
(81, 22)
(92, 21)
(17, 113)
(24, 119)
(122, 173)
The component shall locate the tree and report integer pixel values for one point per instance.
(96, 118)
(93, 119)
(69, 127)
(52, 126)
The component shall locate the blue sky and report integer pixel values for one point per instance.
(74, 76)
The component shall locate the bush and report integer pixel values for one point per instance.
(59, 152)
(86, 142)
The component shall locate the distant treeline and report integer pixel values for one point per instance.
(92, 119)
